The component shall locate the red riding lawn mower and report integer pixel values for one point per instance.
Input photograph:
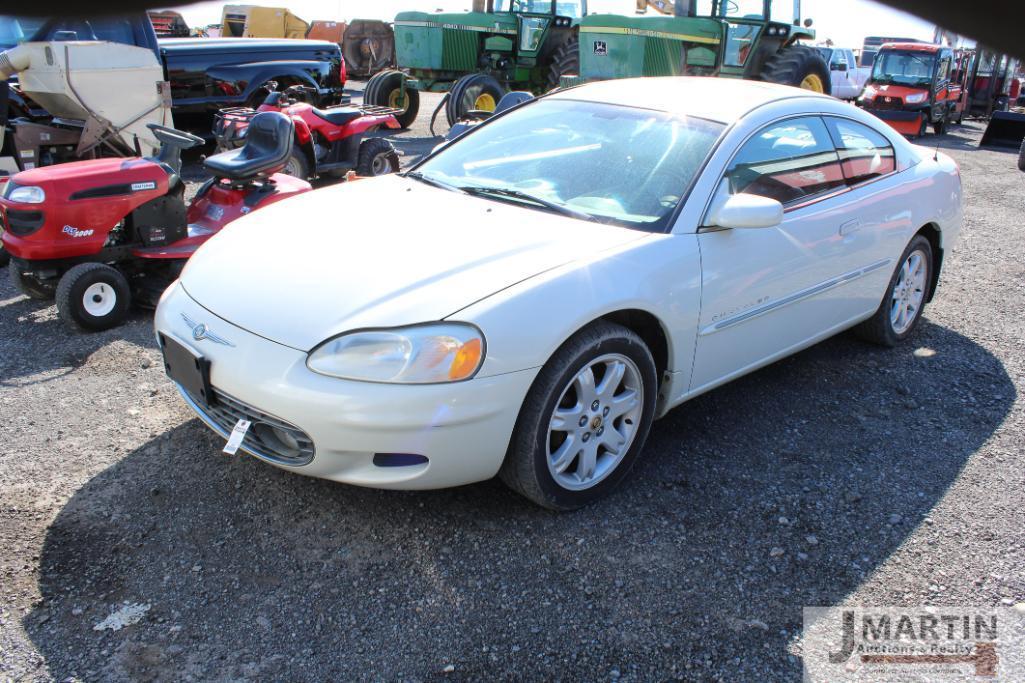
(101, 233)
(328, 142)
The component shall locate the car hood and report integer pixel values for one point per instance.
(383, 252)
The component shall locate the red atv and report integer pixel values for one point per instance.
(97, 234)
(328, 142)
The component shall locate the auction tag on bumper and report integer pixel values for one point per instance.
(237, 434)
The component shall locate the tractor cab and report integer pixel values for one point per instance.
(535, 18)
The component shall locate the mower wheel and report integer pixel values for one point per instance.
(385, 90)
(297, 166)
(473, 92)
(1021, 157)
(5, 258)
(92, 297)
(29, 285)
(565, 61)
(377, 157)
(800, 66)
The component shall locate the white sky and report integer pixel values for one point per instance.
(846, 22)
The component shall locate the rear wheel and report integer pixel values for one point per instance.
(377, 157)
(799, 66)
(385, 90)
(28, 285)
(473, 92)
(565, 61)
(1021, 157)
(92, 297)
(585, 419)
(901, 308)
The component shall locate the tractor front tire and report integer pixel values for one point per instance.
(800, 66)
(93, 297)
(377, 157)
(28, 285)
(565, 61)
(473, 92)
(385, 90)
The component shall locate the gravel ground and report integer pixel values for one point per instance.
(845, 473)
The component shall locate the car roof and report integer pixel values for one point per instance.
(716, 99)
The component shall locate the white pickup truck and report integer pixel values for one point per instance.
(848, 78)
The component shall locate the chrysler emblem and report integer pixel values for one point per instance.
(201, 332)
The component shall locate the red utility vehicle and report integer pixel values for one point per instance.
(327, 141)
(97, 234)
(915, 85)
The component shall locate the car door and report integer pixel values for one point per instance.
(840, 73)
(770, 291)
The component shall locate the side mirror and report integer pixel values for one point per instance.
(808, 23)
(841, 66)
(745, 211)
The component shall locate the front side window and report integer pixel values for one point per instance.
(532, 30)
(943, 75)
(785, 12)
(611, 163)
(789, 161)
(864, 153)
(743, 9)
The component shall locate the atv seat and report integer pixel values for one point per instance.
(339, 116)
(269, 140)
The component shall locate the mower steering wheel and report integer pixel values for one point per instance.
(174, 137)
(731, 7)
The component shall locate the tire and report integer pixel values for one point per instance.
(29, 285)
(940, 127)
(297, 166)
(565, 61)
(526, 468)
(473, 92)
(385, 90)
(377, 157)
(881, 328)
(92, 297)
(1021, 157)
(5, 258)
(799, 66)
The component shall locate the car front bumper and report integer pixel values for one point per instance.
(463, 428)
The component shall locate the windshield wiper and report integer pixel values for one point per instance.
(523, 196)
(417, 175)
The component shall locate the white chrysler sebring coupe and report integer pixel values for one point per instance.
(528, 298)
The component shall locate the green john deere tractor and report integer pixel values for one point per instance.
(752, 39)
(480, 55)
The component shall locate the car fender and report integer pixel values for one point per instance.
(659, 274)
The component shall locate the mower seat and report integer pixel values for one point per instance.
(339, 116)
(269, 140)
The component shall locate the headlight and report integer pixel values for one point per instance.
(25, 194)
(916, 99)
(423, 354)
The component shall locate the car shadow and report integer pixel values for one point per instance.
(783, 489)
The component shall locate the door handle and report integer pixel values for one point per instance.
(850, 227)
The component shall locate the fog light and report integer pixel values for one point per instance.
(399, 459)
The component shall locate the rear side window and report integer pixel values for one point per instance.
(789, 161)
(864, 153)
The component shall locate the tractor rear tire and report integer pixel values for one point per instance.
(29, 285)
(565, 61)
(385, 90)
(800, 66)
(473, 92)
(377, 157)
(1021, 157)
(93, 297)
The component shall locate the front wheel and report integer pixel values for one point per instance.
(585, 419)
(92, 297)
(1021, 157)
(297, 166)
(940, 127)
(386, 89)
(901, 308)
(377, 157)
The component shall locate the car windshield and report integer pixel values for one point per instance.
(609, 163)
(903, 68)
